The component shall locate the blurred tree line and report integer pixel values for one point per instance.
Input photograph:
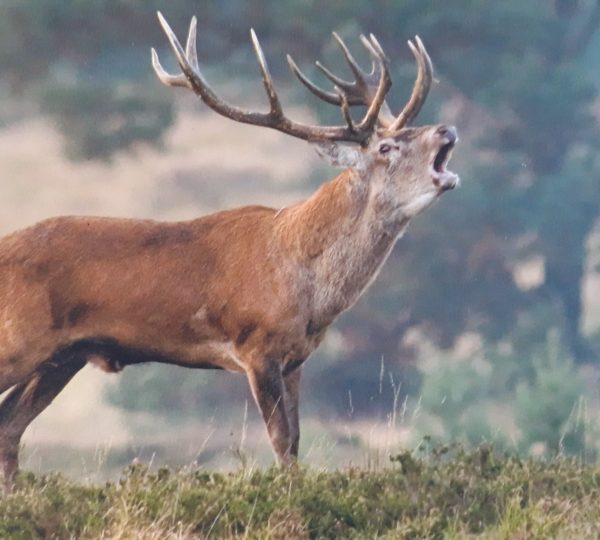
(520, 80)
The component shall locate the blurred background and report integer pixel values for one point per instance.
(484, 324)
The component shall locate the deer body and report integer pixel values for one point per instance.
(250, 290)
(283, 279)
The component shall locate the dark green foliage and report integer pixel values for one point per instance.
(442, 493)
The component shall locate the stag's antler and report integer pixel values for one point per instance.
(192, 78)
(361, 90)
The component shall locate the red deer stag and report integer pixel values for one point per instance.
(250, 290)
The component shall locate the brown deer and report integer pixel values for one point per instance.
(250, 290)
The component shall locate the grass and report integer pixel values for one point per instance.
(445, 494)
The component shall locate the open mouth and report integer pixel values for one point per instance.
(442, 177)
(442, 157)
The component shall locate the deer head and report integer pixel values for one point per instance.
(408, 163)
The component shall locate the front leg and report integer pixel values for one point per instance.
(291, 383)
(266, 383)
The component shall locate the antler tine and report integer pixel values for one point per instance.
(377, 103)
(420, 89)
(191, 52)
(378, 58)
(338, 81)
(354, 67)
(166, 78)
(371, 50)
(378, 47)
(426, 58)
(386, 117)
(267, 79)
(329, 97)
(345, 109)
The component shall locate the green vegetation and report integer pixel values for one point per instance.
(445, 493)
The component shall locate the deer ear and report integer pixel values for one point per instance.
(340, 155)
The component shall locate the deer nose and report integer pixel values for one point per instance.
(448, 132)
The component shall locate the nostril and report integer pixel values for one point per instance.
(448, 132)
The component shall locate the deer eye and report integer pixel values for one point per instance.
(385, 148)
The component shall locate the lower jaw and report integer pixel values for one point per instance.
(445, 180)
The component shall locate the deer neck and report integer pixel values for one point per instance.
(340, 237)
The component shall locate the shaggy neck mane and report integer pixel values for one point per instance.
(341, 236)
